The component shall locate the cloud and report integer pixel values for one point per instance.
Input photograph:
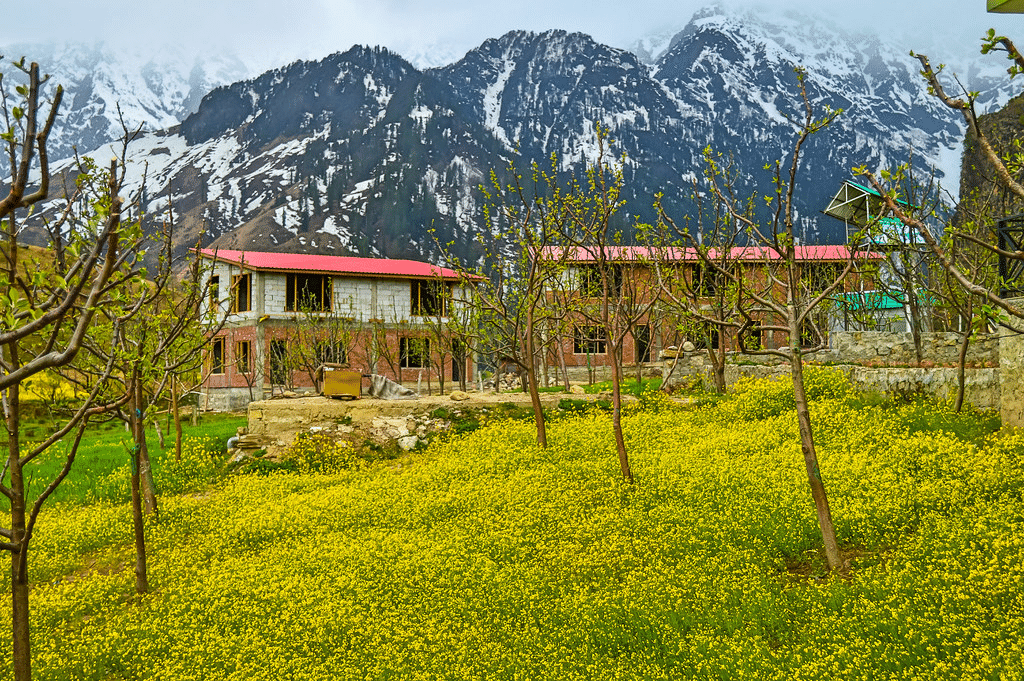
(276, 32)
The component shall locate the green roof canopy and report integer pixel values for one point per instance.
(1006, 6)
(855, 204)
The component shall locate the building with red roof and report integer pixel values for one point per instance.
(632, 270)
(288, 313)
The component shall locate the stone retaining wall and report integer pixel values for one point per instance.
(982, 385)
(859, 347)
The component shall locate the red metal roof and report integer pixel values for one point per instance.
(748, 253)
(331, 264)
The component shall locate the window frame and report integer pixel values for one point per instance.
(241, 286)
(589, 339)
(430, 297)
(405, 358)
(214, 291)
(243, 358)
(217, 347)
(324, 300)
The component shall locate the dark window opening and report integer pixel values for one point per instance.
(215, 293)
(279, 362)
(217, 356)
(589, 340)
(243, 356)
(591, 284)
(414, 352)
(241, 293)
(642, 338)
(753, 338)
(430, 298)
(308, 293)
(707, 333)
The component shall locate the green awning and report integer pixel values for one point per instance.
(870, 300)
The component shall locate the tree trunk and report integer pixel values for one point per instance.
(620, 441)
(141, 581)
(565, 370)
(961, 365)
(915, 323)
(22, 651)
(717, 368)
(142, 448)
(138, 523)
(159, 434)
(177, 420)
(803, 415)
(531, 379)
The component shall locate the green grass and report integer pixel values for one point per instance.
(101, 468)
(629, 386)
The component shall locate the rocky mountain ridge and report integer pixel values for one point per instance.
(362, 153)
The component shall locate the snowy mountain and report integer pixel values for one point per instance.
(362, 153)
(155, 92)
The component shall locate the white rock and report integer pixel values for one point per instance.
(408, 442)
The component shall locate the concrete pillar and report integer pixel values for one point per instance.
(1011, 375)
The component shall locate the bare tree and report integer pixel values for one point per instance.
(610, 291)
(782, 297)
(46, 315)
(509, 295)
(1004, 165)
(688, 261)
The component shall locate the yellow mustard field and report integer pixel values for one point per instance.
(485, 557)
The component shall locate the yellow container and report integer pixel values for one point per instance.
(337, 381)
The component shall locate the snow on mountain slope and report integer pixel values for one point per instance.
(363, 153)
(154, 90)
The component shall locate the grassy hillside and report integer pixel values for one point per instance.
(485, 557)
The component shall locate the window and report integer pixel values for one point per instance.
(279, 362)
(590, 281)
(241, 293)
(215, 292)
(414, 352)
(243, 356)
(217, 356)
(589, 340)
(308, 293)
(430, 298)
(330, 352)
(819, 276)
(701, 334)
(642, 338)
(753, 338)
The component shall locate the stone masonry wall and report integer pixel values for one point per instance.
(860, 347)
(1011, 376)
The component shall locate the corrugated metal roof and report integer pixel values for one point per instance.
(331, 264)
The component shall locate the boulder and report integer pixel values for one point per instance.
(408, 442)
(458, 396)
(689, 347)
(577, 390)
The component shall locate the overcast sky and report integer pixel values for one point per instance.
(273, 32)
